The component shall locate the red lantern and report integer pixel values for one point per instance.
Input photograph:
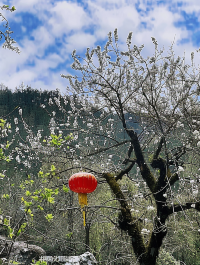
(82, 183)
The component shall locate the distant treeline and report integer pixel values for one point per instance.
(30, 101)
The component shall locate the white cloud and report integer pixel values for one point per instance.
(67, 17)
(79, 26)
(81, 41)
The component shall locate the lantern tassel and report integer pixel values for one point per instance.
(82, 198)
(83, 217)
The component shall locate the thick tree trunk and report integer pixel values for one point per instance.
(145, 254)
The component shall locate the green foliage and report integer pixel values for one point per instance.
(39, 262)
(58, 141)
(7, 6)
(3, 157)
(165, 258)
(66, 189)
(2, 123)
(49, 217)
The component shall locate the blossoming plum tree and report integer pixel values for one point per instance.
(164, 99)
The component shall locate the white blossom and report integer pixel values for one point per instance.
(27, 164)
(196, 134)
(15, 120)
(18, 159)
(180, 169)
(90, 125)
(145, 231)
(195, 192)
(149, 208)
(39, 134)
(75, 124)
(156, 141)
(4, 133)
(179, 124)
(52, 130)
(50, 101)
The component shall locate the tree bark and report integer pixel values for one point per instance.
(146, 254)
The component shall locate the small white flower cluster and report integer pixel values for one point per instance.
(137, 211)
(89, 125)
(180, 169)
(197, 134)
(128, 41)
(195, 192)
(50, 101)
(144, 231)
(18, 159)
(57, 101)
(150, 208)
(197, 137)
(15, 120)
(179, 124)
(27, 164)
(39, 136)
(156, 141)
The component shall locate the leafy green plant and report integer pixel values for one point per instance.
(165, 258)
(39, 262)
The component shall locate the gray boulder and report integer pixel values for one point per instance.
(24, 253)
(20, 252)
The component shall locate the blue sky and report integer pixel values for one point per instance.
(48, 31)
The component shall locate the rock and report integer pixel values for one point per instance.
(21, 251)
(85, 259)
(24, 254)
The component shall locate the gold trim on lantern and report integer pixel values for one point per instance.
(82, 199)
(83, 217)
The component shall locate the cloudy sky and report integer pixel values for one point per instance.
(47, 32)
